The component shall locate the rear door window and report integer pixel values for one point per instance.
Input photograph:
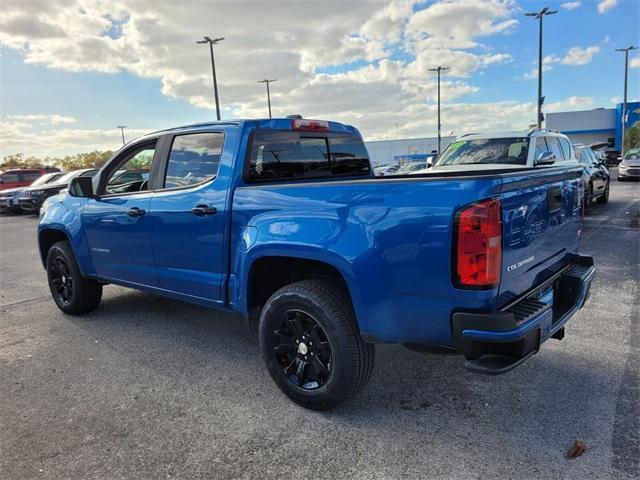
(194, 159)
(30, 176)
(298, 155)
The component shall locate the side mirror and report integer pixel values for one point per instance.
(546, 158)
(81, 187)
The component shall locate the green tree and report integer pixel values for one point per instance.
(83, 160)
(70, 162)
(632, 137)
(18, 160)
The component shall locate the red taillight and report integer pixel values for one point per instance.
(310, 125)
(478, 245)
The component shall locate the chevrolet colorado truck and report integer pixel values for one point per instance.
(283, 222)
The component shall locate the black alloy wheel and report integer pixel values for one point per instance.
(302, 350)
(72, 293)
(61, 280)
(311, 344)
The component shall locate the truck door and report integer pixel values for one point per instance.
(116, 221)
(189, 214)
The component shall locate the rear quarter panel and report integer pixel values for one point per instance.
(390, 239)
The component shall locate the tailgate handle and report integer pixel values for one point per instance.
(554, 198)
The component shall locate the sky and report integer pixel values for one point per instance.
(71, 71)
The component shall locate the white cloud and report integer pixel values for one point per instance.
(413, 120)
(606, 5)
(364, 62)
(634, 62)
(574, 56)
(42, 119)
(570, 103)
(571, 5)
(580, 56)
(48, 136)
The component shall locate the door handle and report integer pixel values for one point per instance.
(202, 210)
(136, 212)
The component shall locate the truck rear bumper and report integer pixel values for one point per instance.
(497, 342)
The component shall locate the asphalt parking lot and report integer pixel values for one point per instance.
(147, 387)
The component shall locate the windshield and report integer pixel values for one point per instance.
(510, 151)
(46, 178)
(633, 154)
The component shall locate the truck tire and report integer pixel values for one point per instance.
(311, 344)
(72, 293)
(604, 198)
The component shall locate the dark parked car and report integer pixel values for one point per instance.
(9, 198)
(22, 177)
(629, 168)
(32, 198)
(595, 176)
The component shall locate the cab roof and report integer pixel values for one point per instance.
(509, 134)
(263, 123)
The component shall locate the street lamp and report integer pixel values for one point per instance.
(122, 127)
(538, 16)
(439, 69)
(211, 43)
(268, 93)
(624, 104)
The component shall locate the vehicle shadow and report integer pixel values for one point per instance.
(549, 401)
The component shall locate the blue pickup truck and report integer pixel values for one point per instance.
(283, 222)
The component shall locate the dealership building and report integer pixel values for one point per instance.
(600, 125)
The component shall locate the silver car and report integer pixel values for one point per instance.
(629, 167)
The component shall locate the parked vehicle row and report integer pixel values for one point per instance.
(283, 222)
(30, 198)
(595, 176)
(22, 177)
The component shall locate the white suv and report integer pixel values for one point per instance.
(505, 150)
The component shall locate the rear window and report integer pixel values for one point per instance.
(30, 176)
(506, 151)
(287, 154)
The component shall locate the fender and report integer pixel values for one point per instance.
(239, 284)
(62, 213)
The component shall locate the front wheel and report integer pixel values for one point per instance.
(72, 293)
(311, 345)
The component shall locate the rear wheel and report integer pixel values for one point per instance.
(311, 345)
(604, 198)
(72, 293)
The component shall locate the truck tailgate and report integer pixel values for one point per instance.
(542, 221)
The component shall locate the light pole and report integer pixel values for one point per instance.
(122, 127)
(538, 16)
(268, 93)
(439, 69)
(624, 103)
(211, 43)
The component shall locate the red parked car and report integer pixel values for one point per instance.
(21, 177)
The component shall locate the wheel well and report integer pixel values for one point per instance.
(47, 238)
(269, 274)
